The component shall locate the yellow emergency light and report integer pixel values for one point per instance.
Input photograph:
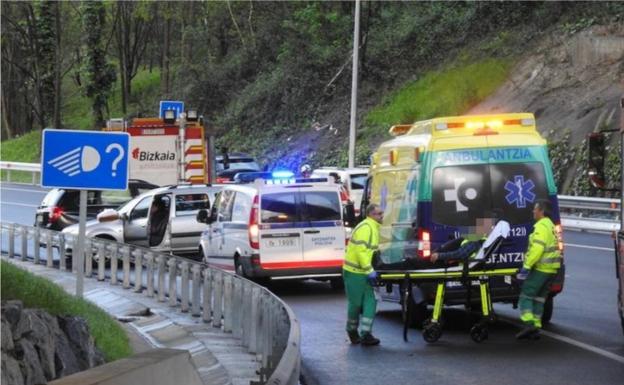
(399, 129)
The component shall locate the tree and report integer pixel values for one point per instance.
(133, 28)
(100, 74)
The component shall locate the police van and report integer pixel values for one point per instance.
(353, 180)
(277, 228)
(437, 177)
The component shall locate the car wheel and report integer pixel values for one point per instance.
(200, 257)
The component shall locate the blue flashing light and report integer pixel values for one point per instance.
(285, 174)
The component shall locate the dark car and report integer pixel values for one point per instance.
(234, 163)
(60, 207)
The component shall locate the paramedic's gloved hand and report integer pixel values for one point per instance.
(522, 274)
(372, 278)
(434, 257)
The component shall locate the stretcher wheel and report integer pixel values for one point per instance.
(432, 332)
(478, 333)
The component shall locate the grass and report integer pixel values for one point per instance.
(451, 91)
(145, 90)
(22, 149)
(36, 292)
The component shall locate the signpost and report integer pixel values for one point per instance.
(175, 105)
(84, 160)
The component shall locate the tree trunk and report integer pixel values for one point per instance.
(164, 74)
(57, 68)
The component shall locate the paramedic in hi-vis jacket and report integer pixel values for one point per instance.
(541, 263)
(359, 277)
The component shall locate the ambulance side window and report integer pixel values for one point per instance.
(225, 206)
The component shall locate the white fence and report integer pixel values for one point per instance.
(265, 325)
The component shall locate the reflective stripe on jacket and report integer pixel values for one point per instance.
(363, 244)
(543, 252)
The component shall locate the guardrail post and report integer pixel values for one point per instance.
(236, 308)
(217, 311)
(195, 305)
(126, 267)
(62, 257)
(184, 271)
(207, 297)
(101, 260)
(268, 309)
(138, 270)
(11, 241)
(255, 316)
(149, 267)
(173, 264)
(246, 316)
(114, 264)
(24, 232)
(8, 173)
(34, 180)
(36, 240)
(227, 303)
(162, 261)
(49, 255)
(88, 269)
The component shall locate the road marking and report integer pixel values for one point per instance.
(568, 340)
(588, 247)
(25, 190)
(19, 204)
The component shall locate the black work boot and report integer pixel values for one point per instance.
(527, 332)
(369, 340)
(354, 337)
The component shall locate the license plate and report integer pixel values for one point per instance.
(281, 242)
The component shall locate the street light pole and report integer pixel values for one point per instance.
(354, 84)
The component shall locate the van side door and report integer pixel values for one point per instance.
(323, 232)
(220, 227)
(135, 225)
(185, 230)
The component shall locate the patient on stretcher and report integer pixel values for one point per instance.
(475, 247)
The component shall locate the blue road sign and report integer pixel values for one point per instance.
(175, 105)
(91, 160)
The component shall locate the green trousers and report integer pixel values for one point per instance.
(361, 299)
(533, 296)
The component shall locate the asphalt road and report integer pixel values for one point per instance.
(583, 345)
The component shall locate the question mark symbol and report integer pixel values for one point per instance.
(115, 146)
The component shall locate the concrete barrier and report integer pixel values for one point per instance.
(155, 367)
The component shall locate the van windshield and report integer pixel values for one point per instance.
(461, 194)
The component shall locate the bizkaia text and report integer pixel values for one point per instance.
(152, 155)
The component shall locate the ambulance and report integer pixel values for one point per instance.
(435, 178)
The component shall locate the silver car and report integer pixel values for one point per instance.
(163, 219)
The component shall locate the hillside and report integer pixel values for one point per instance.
(274, 78)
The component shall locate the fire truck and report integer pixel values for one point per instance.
(168, 150)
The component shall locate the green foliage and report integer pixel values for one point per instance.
(36, 292)
(440, 93)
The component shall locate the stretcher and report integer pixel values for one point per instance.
(466, 273)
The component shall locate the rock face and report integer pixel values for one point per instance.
(38, 347)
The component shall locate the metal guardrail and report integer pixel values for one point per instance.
(265, 325)
(33, 168)
(578, 213)
(588, 213)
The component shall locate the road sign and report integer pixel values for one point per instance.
(91, 160)
(175, 105)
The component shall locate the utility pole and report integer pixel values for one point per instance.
(354, 84)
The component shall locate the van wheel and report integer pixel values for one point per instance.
(548, 310)
(240, 269)
(200, 255)
(417, 313)
(337, 284)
